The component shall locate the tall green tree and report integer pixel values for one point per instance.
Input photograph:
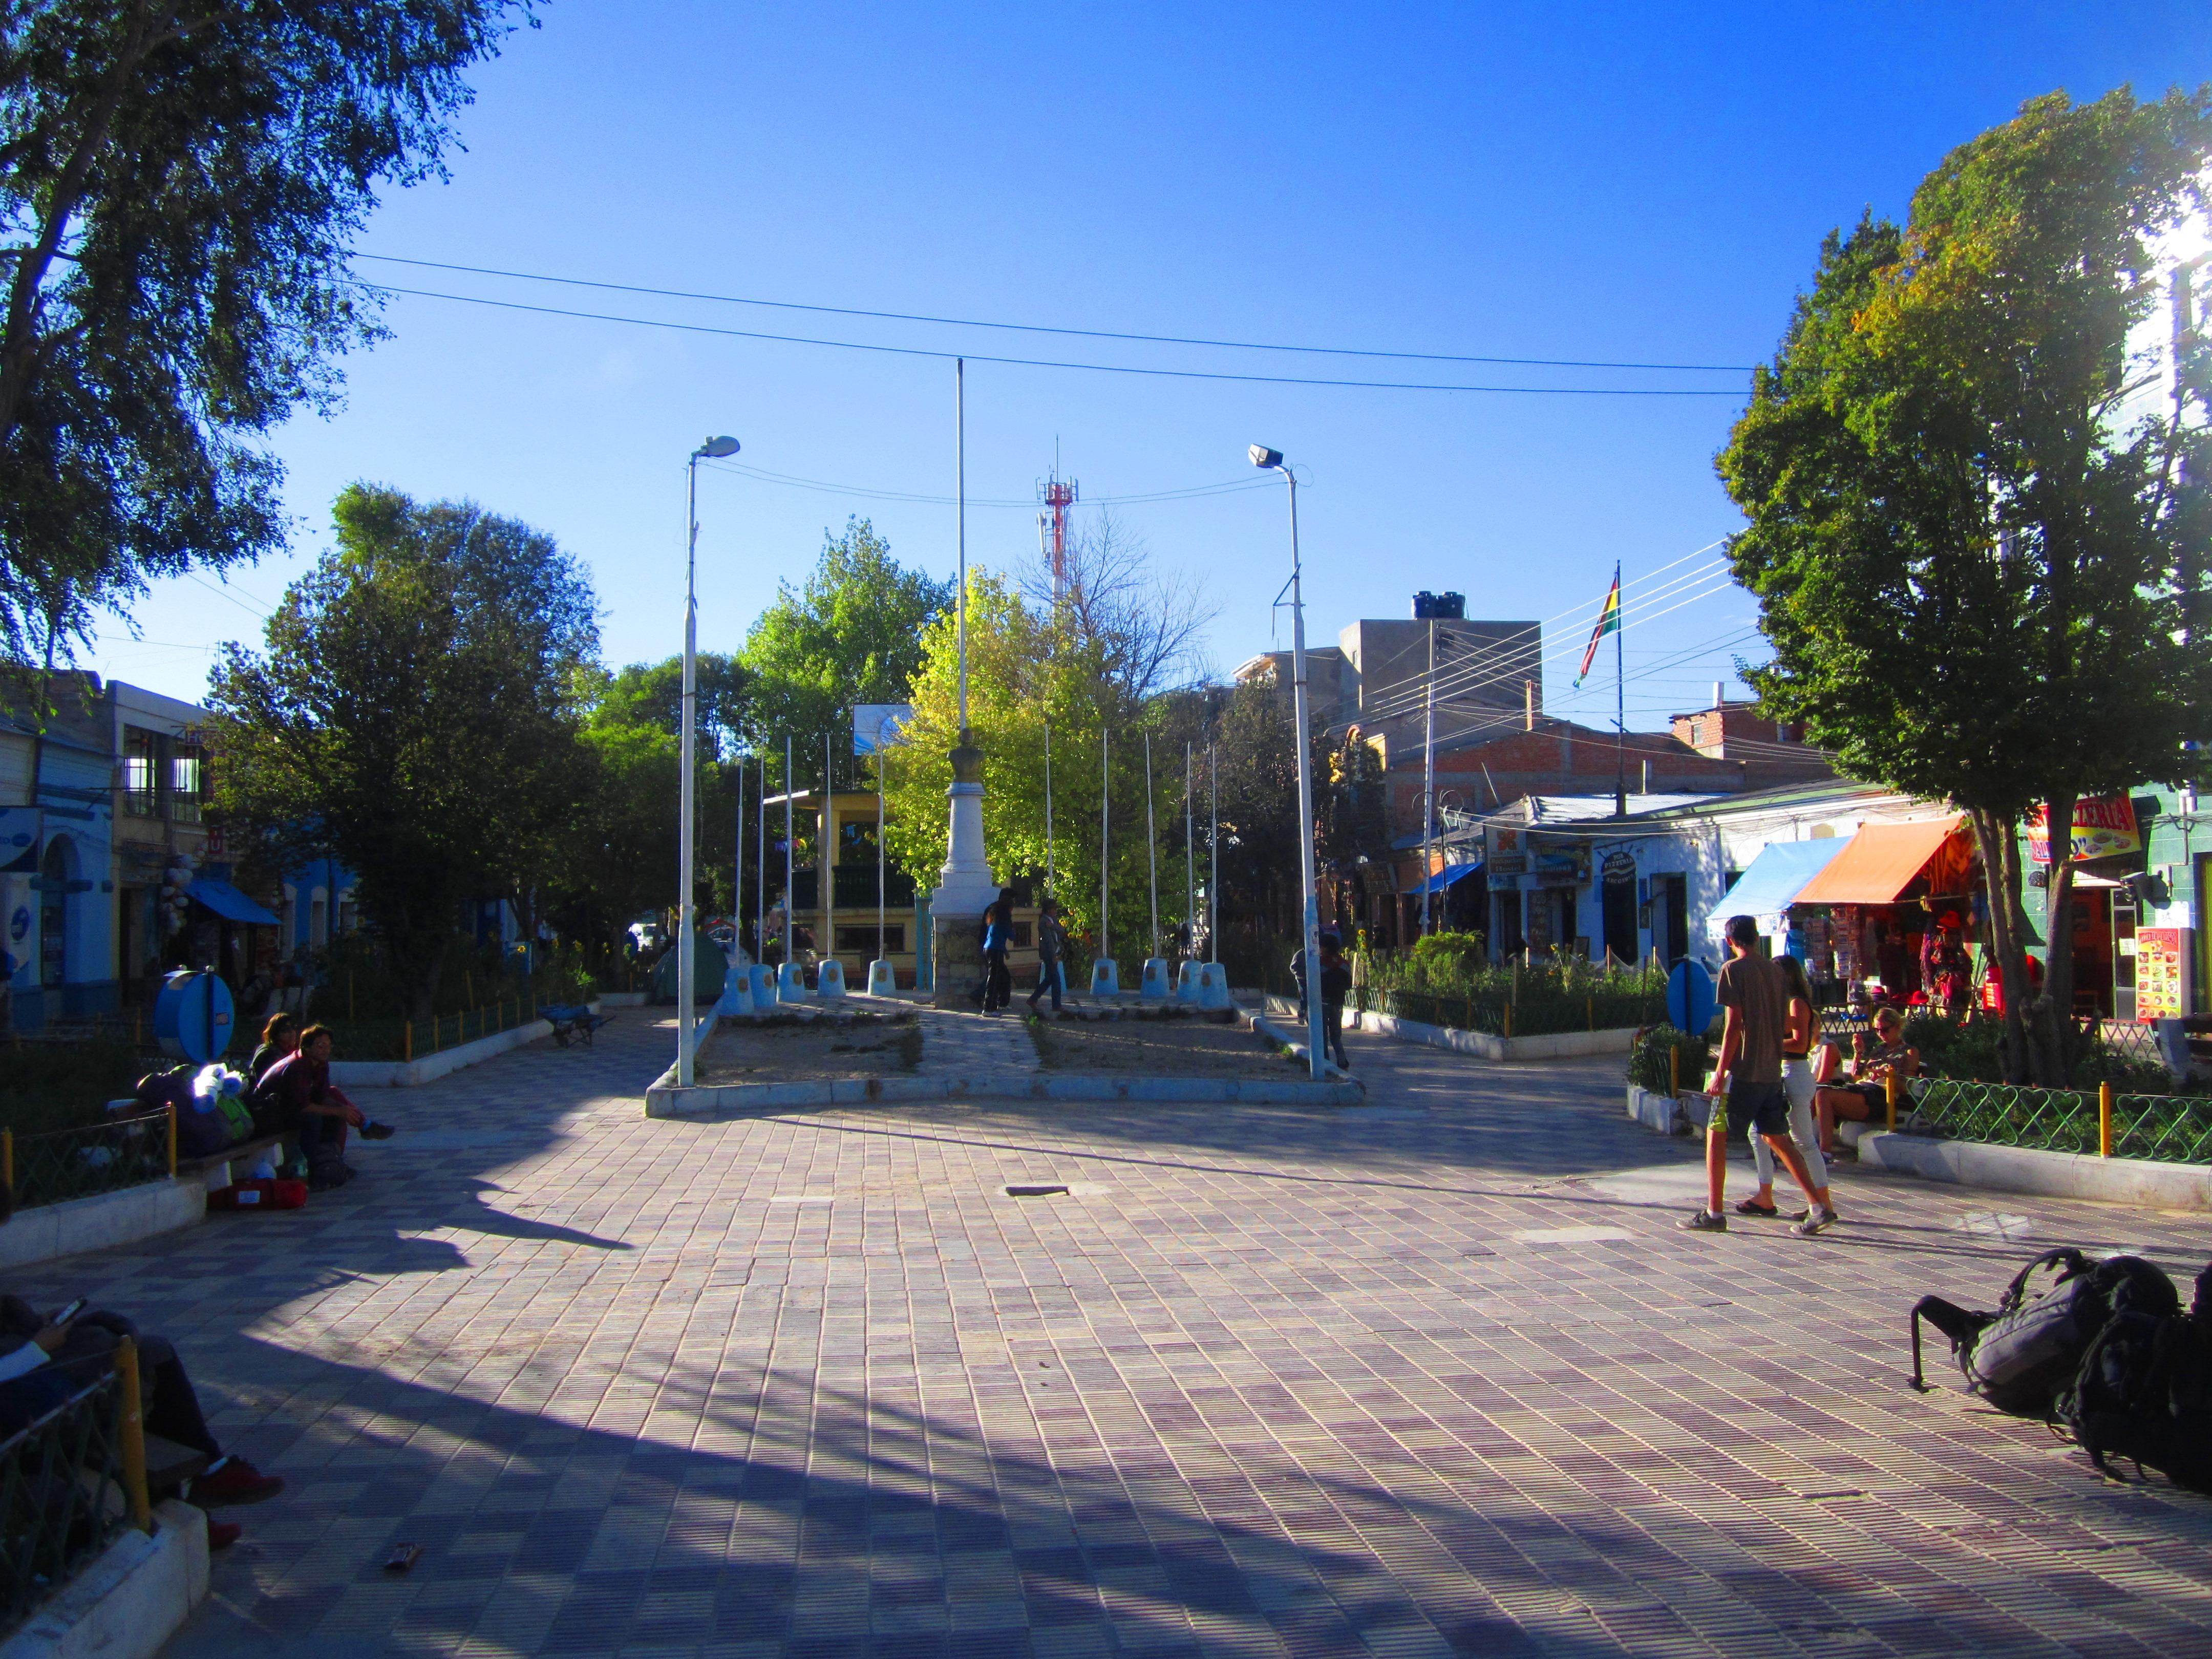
(1975, 579)
(413, 714)
(181, 181)
(852, 633)
(620, 843)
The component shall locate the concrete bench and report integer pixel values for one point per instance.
(220, 1169)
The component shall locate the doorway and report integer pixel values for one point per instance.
(53, 913)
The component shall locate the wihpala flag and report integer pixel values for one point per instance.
(1608, 622)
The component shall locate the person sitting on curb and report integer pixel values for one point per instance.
(307, 1104)
(42, 1364)
(1801, 1028)
(1747, 1082)
(1868, 1091)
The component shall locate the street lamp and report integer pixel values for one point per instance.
(1272, 459)
(686, 970)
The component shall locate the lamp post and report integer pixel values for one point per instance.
(686, 970)
(1269, 458)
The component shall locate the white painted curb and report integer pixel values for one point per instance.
(409, 1074)
(47, 1230)
(1559, 1045)
(664, 1099)
(129, 1600)
(2135, 1181)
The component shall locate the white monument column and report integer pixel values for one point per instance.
(965, 889)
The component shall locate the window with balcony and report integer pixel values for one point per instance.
(141, 769)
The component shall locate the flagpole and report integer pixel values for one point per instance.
(1619, 712)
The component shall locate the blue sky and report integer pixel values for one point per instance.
(1641, 184)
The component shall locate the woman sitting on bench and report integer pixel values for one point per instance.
(1868, 1091)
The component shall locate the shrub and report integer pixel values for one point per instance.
(1647, 1065)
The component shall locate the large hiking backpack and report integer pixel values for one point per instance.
(2021, 1356)
(2143, 1392)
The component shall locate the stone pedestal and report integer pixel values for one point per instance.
(965, 889)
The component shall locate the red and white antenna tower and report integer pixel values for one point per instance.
(1058, 495)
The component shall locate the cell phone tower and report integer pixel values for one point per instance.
(1058, 495)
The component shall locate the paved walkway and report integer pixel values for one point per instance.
(959, 1042)
(1433, 1376)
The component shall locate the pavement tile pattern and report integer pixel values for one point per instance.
(1433, 1376)
(961, 1042)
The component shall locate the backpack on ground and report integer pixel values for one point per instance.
(2021, 1356)
(2143, 1392)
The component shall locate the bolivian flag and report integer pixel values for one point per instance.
(1608, 622)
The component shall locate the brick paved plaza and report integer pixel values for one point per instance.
(1434, 1376)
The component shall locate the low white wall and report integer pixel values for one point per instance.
(48, 1230)
(411, 1074)
(664, 1099)
(2133, 1181)
(1560, 1045)
(133, 1598)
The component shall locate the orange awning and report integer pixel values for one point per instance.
(1878, 863)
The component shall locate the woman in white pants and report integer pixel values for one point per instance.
(1799, 1031)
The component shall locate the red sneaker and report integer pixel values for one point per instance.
(221, 1534)
(236, 1482)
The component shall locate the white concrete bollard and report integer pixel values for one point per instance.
(737, 993)
(830, 978)
(1186, 983)
(764, 978)
(882, 980)
(1154, 985)
(791, 983)
(1104, 980)
(1213, 986)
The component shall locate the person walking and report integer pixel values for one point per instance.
(1051, 944)
(1335, 986)
(1800, 1034)
(997, 990)
(1747, 1081)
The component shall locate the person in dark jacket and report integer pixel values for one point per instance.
(1052, 944)
(305, 1101)
(279, 1038)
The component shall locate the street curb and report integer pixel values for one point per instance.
(1559, 1045)
(46, 1232)
(132, 1598)
(413, 1073)
(2140, 1182)
(1293, 1040)
(664, 1099)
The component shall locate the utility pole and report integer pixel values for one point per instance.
(1151, 845)
(1189, 854)
(1428, 778)
(1213, 860)
(1048, 808)
(1105, 834)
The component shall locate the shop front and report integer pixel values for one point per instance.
(1876, 915)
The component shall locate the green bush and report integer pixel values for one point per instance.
(1647, 1065)
(1967, 1047)
(60, 1085)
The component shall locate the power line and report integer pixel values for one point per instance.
(1235, 486)
(1035, 328)
(1049, 363)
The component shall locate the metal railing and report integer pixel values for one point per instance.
(70, 1482)
(97, 1158)
(2172, 1128)
(1499, 1014)
(406, 1040)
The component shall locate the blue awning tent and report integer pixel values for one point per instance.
(228, 902)
(1775, 878)
(1445, 876)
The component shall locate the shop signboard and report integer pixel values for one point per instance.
(2103, 828)
(1506, 854)
(2161, 973)
(1620, 869)
(1560, 864)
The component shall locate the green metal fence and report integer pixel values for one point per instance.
(61, 1497)
(1501, 1015)
(2174, 1129)
(97, 1158)
(411, 1039)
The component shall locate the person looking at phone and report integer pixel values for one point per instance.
(46, 1357)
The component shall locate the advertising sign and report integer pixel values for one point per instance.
(1506, 854)
(2161, 968)
(2102, 828)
